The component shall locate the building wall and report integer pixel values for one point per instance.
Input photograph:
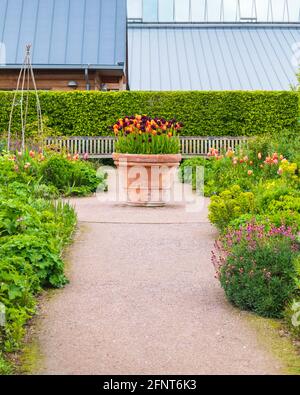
(59, 79)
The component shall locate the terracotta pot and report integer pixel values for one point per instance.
(147, 180)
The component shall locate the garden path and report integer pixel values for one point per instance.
(142, 299)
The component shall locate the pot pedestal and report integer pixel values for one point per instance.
(146, 180)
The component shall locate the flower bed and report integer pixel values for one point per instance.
(255, 203)
(34, 229)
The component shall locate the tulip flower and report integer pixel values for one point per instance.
(259, 155)
(280, 171)
(250, 172)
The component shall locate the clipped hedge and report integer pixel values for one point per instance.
(213, 113)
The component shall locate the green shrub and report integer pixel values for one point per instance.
(202, 113)
(256, 269)
(287, 218)
(275, 197)
(230, 204)
(71, 177)
(40, 254)
(33, 232)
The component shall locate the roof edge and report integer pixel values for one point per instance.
(254, 25)
(13, 66)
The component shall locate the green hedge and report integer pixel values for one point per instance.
(203, 113)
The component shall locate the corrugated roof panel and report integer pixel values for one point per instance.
(11, 31)
(59, 33)
(230, 63)
(76, 31)
(200, 60)
(44, 25)
(120, 32)
(173, 59)
(27, 28)
(154, 55)
(90, 45)
(108, 33)
(134, 66)
(210, 53)
(165, 78)
(145, 60)
(193, 67)
(65, 32)
(183, 60)
(213, 56)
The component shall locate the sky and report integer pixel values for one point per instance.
(197, 9)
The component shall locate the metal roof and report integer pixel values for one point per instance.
(213, 56)
(65, 33)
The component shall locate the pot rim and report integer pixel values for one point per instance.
(148, 157)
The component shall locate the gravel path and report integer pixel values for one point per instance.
(142, 299)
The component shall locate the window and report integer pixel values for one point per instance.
(166, 11)
(134, 9)
(182, 10)
(150, 10)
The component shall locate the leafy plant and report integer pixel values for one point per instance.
(230, 204)
(255, 268)
(33, 232)
(70, 175)
(202, 113)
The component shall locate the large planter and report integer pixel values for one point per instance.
(147, 180)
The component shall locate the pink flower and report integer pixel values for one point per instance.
(250, 172)
(16, 168)
(86, 156)
(27, 165)
(280, 171)
(32, 154)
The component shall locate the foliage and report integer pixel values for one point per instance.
(255, 268)
(33, 232)
(144, 135)
(230, 204)
(65, 174)
(255, 202)
(53, 173)
(203, 113)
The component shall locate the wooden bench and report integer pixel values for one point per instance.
(103, 147)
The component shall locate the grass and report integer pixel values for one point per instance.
(275, 339)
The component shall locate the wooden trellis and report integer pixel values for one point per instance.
(26, 77)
